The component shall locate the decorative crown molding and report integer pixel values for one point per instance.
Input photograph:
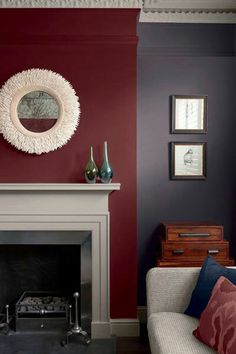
(192, 5)
(198, 11)
(201, 11)
(71, 4)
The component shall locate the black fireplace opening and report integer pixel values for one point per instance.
(46, 268)
(34, 268)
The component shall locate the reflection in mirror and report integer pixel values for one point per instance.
(38, 111)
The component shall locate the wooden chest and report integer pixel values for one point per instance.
(187, 244)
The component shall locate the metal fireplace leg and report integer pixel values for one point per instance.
(75, 328)
(4, 326)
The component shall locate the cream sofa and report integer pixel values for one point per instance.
(168, 294)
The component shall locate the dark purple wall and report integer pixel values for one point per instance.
(184, 59)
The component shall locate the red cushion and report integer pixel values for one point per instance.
(217, 325)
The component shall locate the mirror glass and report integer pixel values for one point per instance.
(38, 111)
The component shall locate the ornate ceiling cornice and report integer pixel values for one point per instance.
(198, 11)
(201, 11)
(71, 3)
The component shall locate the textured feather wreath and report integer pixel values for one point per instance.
(57, 86)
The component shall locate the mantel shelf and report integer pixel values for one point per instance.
(59, 187)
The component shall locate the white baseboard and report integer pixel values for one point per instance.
(125, 327)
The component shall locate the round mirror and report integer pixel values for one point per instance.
(38, 111)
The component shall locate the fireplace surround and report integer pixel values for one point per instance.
(66, 207)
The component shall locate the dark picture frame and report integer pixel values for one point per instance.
(189, 114)
(188, 160)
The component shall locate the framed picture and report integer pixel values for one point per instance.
(188, 160)
(189, 114)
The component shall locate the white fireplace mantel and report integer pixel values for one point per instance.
(77, 207)
(59, 187)
(68, 198)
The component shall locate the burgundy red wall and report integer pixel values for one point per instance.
(96, 51)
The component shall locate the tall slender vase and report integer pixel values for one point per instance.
(105, 172)
(91, 170)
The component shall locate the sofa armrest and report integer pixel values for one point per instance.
(170, 289)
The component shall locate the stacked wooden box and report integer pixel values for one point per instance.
(187, 244)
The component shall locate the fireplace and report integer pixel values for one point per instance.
(65, 214)
(45, 261)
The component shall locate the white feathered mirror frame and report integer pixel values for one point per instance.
(38, 80)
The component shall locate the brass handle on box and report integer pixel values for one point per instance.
(178, 251)
(193, 235)
(213, 251)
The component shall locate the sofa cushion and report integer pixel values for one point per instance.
(211, 271)
(171, 333)
(217, 326)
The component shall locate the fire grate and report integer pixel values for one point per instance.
(42, 311)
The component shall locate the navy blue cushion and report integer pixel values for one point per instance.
(208, 276)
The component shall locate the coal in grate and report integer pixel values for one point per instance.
(42, 311)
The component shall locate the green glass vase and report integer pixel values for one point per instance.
(91, 170)
(105, 172)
